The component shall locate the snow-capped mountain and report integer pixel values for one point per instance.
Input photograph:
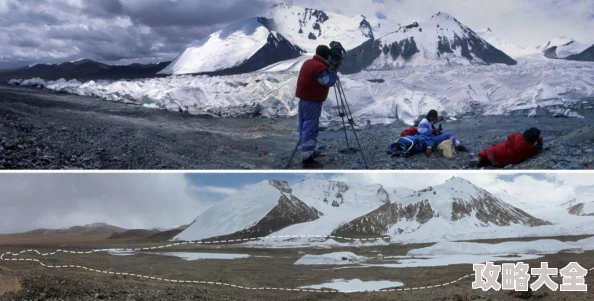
(321, 207)
(309, 27)
(340, 202)
(453, 206)
(442, 39)
(285, 33)
(581, 206)
(255, 211)
(242, 47)
(586, 55)
(562, 47)
(510, 49)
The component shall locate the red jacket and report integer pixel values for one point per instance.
(308, 86)
(513, 151)
(413, 131)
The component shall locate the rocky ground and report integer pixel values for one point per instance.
(44, 130)
(269, 268)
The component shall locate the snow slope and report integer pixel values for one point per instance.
(233, 47)
(233, 214)
(255, 211)
(562, 47)
(510, 49)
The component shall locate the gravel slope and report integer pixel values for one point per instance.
(43, 130)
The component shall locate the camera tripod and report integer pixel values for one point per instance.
(345, 114)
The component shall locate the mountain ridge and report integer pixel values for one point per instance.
(335, 208)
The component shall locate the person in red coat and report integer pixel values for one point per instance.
(316, 77)
(517, 149)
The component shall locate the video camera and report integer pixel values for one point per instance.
(337, 52)
(439, 130)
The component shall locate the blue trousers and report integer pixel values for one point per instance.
(309, 115)
(445, 136)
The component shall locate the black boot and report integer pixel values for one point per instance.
(475, 163)
(479, 162)
(318, 154)
(310, 163)
(461, 148)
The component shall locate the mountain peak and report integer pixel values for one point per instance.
(460, 183)
(442, 15)
(283, 186)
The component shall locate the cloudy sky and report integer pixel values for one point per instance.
(125, 31)
(31, 201)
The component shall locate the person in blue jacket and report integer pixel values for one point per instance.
(427, 129)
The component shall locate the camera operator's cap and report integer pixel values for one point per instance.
(323, 51)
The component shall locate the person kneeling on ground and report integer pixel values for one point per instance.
(316, 78)
(427, 129)
(517, 149)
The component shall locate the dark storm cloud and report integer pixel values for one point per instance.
(190, 12)
(49, 31)
(102, 8)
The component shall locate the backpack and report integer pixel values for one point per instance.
(412, 131)
(447, 150)
(409, 145)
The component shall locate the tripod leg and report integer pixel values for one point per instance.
(293, 155)
(341, 112)
(352, 122)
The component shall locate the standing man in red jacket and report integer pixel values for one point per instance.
(316, 78)
(517, 149)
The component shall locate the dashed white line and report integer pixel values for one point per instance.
(194, 243)
(210, 282)
(220, 283)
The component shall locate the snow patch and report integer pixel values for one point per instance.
(190, 256)
(356, 285)
(446, 260)
(338, 258)
(540, 247)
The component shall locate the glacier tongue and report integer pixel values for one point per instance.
(533, 87)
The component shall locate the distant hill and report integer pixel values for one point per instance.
(154, 234)
(166, 235)
(90, 229)
(83, 69)
(133, 234)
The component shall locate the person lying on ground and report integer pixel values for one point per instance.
(315, 79)
(427, 128)
(517, 149)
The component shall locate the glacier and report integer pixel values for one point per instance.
(534, 87)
